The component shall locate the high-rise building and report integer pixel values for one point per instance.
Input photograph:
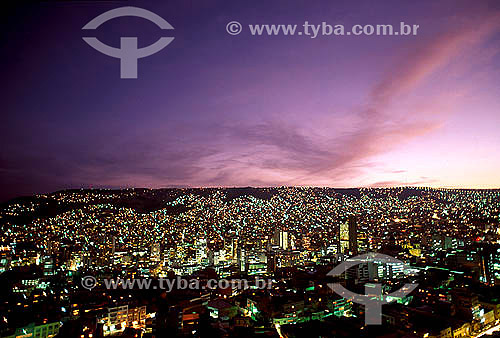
(48, 266)
(116, 319)
(271, 262)
(344, 238)
(234, 249)
(353, 235)
(306, 242)
(284, 239)
(363, 242)
(155, 252)
(242, 260)
(348, 236)
(201, 249)
(106, 247)
(489, 263)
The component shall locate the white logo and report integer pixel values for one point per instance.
(128, 53)
(373, 299)
(234, 28)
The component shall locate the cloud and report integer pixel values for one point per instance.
(380, 129)
(276, 152)
(395, 183)
(267, 151)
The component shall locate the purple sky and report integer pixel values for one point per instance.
(213, 109)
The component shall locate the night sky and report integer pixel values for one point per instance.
(213, 109)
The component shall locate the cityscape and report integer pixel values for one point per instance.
(275, 169)
(446, 240)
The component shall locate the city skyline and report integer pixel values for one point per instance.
(181, 188)
(248, 262)
(277, 168)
